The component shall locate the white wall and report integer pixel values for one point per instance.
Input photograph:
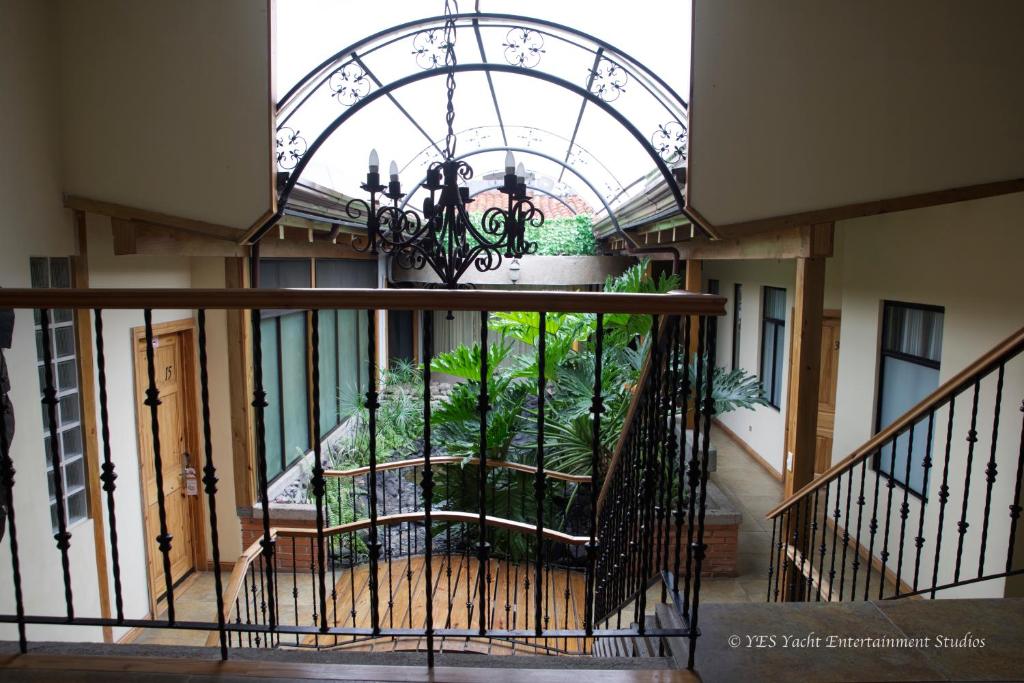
(34, 224)
(809, 104)
(965, 258)
(168, 105)
(762, 428)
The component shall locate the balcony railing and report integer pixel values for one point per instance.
(858, 532)
(486, 563)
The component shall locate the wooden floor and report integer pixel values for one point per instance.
(456, 604)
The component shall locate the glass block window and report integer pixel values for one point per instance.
(47, 272)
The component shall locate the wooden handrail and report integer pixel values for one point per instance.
(453, 460)
(627, 423)
(1002, 352)
(249, 555)
(672, 303)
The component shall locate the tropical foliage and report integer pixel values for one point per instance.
(512, 384)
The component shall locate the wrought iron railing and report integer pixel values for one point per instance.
(859, 531)
(252, 603)
(654, 492)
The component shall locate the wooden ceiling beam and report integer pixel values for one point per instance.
(140, 237)
(807, 241)
(131, 213)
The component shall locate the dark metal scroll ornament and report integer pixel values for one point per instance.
(349, 84)
(608, 80)
(445, 239)
(429, 47)
(669, 140)
(523, 47)
(290, 148)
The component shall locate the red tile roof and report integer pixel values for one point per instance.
(552, 208)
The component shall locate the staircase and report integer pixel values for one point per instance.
(857, 533)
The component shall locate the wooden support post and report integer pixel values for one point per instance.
(802, 405)
(804, 373)
(236, 276)
(90, 440)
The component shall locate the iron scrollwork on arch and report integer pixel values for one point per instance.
(669, 140)
(429, 47)
(523, 47)
(290, 148)
(349, 84)
(608, 80)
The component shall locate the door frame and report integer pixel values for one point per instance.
(837, 315)
(185, 327)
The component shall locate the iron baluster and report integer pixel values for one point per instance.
(109, 476)
(295, 589)
(372, 405)
(771, 558)
(709, 412)
(259, 404)
(836, 514)
(668, 508)
(822, 549)
(7, 473)
(846, 533)
(890, 485)
(1015, 507)
(904, 508)
(483, 547)
(209, 472)
(943, 493)
(50, 402)
(860, 519)
(680, 510)
(926, 465)
(539, 481)
(812, 516)
(318, 482)
(428, 482)
(646, 518)
(990, 470)
(596, 409)
(794, 544)
(873, 529)
(972, 438)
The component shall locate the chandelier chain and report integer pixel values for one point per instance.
(450, 62)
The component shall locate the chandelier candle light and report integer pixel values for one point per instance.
(444, 238)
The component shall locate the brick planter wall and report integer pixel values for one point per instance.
(721, 535)
(292, 517)
(721, 541)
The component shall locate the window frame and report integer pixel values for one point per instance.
(63, 426)
(737, 323)
(876, 459)
(778, 327)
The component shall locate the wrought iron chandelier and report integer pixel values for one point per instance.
(445, 239)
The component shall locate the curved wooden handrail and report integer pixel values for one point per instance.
(250, 554)
(627, 423)
(1002, 352)
(454, 460)
(672, 303)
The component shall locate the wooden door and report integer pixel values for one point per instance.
(827, 392)
(175, 416)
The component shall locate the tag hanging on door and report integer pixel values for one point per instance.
(191, 483)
